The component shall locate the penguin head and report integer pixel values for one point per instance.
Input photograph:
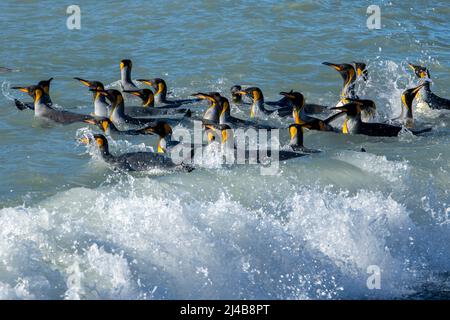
(45, 84)
(160, 128)
(347, 71)
(420, 72)
(146, 95)
(99, 140)
(91, 84)
(361, 70)
(126, 64)
(112, 95)
(212, 97)
(157, 83)
(351, 109)
(253, 93)
(296, 98)
(218, 130)
(368, 107)
(103, 124)
(36, 92)
(235, 96)
(408, 97)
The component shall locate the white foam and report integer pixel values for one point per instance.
(144, 238)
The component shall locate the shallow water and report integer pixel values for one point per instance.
(70, 227)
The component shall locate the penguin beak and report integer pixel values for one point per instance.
(149, 130)
(84, 82)
(134, 92)
(335, 66)
(23, 89)
(90, 121)
(147, 82)
(287, 94)
(243, 93)
(203, 96)
(341, 108)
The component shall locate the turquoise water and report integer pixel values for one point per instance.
(72, 228)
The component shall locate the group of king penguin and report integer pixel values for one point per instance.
(155, 113)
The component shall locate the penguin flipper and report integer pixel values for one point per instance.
(67, 117)
(315, 108)
(437, 102)
(23, 105)
(417, 132)
(283, 102)
(334, 117)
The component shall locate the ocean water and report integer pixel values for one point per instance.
(72, 228)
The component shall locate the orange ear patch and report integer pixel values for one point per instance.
(100, 142)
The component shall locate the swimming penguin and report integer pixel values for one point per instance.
(224, 134)
(212, 113)
(354, 125)
(44, 84)
(118, 116)
(257, 108)
(408, 97)
(148, 105)
(134, 161)
(426, 97)
(161, 93)
(44, 110)
(101, 106)
(297, 101)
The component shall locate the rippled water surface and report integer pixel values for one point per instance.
(70, 227)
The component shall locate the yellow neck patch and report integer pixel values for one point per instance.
(224, 136)
(252, 112)
(297, 118)
(38, 95)
(160, 87)
(160, 148)
(345, 127)
(99, 142)
(105, 125)
(113, 108)
(210, 136)
(149, 101)
(225, 107)
(293, 132)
